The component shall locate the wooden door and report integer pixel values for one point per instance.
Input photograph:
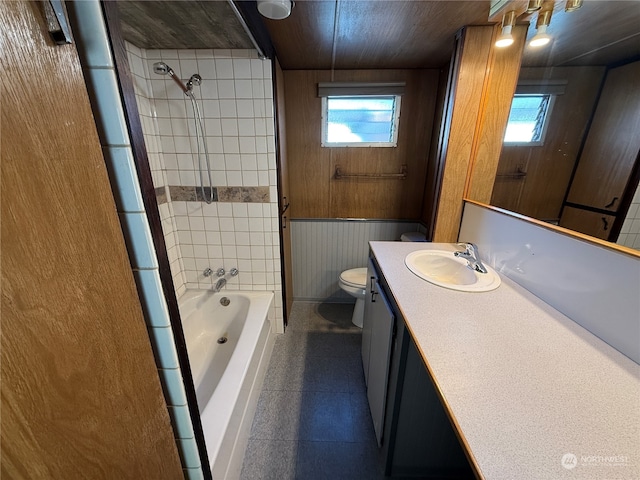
(285, 197)
(81, 397)
(613, 142)
(587, 222)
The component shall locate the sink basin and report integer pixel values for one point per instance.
(444, 269)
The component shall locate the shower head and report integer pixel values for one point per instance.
(194, 80)
(162, 68)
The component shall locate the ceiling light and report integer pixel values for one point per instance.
(541, 38)
(275, 9)
(506, 38)
(572, 5)
(534, 5)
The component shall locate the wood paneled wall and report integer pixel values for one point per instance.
(482, 80)
(549, 166)
(315, 193)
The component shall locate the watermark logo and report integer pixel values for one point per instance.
(569, 461)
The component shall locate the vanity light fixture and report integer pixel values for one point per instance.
(572, 5)
(534, 6)
(541, 38)
(275, 9)
(506, 38)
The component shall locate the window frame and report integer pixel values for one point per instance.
(545, 121)
(394, 127)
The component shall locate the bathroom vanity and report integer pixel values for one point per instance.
(495, 384)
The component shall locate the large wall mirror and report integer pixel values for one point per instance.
(571, 151)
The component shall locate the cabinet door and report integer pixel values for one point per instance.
(367, 322)
(382, 320)
(585, 221)
(612, 144)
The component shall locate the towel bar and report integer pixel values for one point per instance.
(338, 175)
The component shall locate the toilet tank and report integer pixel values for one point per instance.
(413, 237)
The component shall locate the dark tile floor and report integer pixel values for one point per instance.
(312, 420)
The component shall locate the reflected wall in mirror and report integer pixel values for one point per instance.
(571, 154)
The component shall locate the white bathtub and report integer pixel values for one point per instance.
(228, 376)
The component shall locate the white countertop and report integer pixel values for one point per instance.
(524, 384)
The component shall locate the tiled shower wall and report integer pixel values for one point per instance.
(630, 233)
(241, 228)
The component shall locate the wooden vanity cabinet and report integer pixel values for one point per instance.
(418, 439)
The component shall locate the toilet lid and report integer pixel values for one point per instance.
(356, 277)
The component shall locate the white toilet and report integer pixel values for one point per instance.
(354, 281)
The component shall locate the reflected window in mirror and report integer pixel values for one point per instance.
(528, 119)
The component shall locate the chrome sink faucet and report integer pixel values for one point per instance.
(472, 257)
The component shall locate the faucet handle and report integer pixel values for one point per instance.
(207, 272)
(220, 272)
(233, 272)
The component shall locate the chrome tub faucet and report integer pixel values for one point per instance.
(471, 255)
(219, 285)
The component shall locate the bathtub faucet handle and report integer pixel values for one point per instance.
(233, 272)
(207, 272)
(220, 272)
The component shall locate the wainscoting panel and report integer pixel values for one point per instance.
(321, 249)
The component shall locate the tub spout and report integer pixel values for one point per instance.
(219, 285)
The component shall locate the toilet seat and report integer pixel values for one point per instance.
(355, 277)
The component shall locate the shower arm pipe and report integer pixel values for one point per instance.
(247, 29)
(182, 86)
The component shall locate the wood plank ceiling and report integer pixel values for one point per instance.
(345, 34)
(181, 25)
(603, 32)
(379, 34)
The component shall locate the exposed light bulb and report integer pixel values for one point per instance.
(506, 38)
(541, 38)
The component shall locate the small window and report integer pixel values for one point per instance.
(528, 119)
(360, 121)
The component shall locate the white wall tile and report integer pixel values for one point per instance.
(224, 68)
(233, 91)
